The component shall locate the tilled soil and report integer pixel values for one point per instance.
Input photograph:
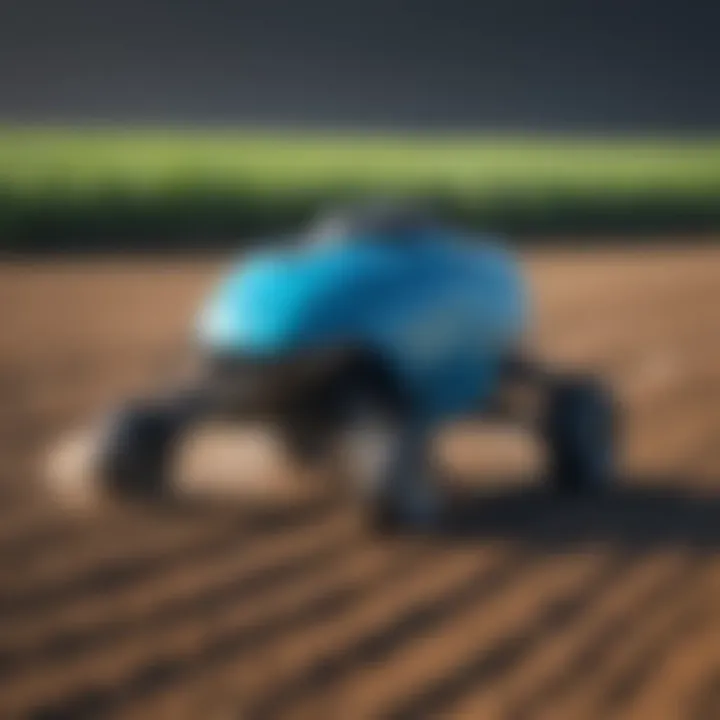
(525, 607)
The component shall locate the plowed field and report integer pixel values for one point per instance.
(525, 608)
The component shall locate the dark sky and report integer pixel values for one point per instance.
(508, 64)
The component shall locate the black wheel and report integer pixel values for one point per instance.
(386, 454)
(405, 496)
(135, 449)
(371, 439)
(580, 432)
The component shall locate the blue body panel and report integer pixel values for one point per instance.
(441, 310)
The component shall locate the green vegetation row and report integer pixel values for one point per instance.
(90, 188)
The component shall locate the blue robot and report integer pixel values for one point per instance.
(366, 332)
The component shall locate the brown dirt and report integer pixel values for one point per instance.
(532, 609)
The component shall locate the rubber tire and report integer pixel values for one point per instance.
(386, 507)
(363, 386)
(388, 513)
(580, 434)
(135, 449)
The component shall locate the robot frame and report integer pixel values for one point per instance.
(369, 330)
